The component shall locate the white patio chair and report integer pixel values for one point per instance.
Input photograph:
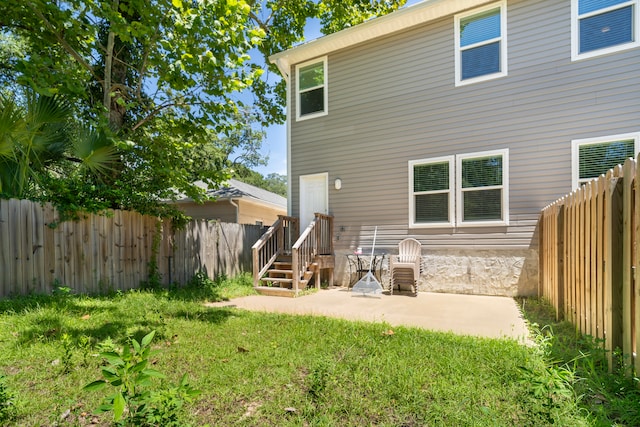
(404, 268)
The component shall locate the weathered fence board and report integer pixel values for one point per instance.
(101, 253)
(589, 259)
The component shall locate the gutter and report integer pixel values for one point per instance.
(402, 19)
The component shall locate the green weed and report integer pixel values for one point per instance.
(133, 403)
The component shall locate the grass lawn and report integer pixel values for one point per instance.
(256, 369)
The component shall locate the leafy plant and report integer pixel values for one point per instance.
(166, 405)
(60, 289)
(67, 356)
(84, 345)
(131, 403)
(7, 402)
(552, 384)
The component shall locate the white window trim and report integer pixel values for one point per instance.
(575, 31)
(575, 153)
(451, 191)
(503, 45)
(455, 190)
(325, 91)
(505, 188)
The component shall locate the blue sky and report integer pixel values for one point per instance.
(275, 143)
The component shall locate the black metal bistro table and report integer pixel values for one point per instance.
(360, 263)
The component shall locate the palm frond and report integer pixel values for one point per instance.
(96, 150)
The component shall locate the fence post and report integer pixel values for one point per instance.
(612, 264)
(627, 263)
(635, 290)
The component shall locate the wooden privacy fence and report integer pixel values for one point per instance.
(101, 253)
(588, 260)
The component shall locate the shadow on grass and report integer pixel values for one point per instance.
(118, 316)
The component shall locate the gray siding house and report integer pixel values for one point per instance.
(455, 122)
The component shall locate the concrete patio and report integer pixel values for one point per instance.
(484, 316)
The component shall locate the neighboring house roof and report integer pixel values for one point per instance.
(234, 189)
(402, 19)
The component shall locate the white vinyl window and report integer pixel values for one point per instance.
(595, 156)
(481, 190)
(481, 44)
(599, 27)
(432, 192)
(311, 89)
(461, 190)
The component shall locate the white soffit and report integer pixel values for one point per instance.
(408, 17)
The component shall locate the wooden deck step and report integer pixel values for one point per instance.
(277, 279)
(283, 265)
(279, 271)
(276, 292)
(284, 282)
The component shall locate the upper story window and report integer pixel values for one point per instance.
(599, 27)
(595, 156)
(481, 44)
(311, 78)
(464, 190)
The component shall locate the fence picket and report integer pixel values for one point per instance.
(589, 243)
(6, 279)
(600, 183)
(101, 253)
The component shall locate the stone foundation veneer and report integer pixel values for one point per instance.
(507, 272)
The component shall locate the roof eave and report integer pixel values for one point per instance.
(399, 20)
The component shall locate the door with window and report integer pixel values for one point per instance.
(314, 197)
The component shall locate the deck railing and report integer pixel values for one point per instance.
(316, 239)
(278, 240)
(324, 234)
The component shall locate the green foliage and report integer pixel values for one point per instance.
(36, 140)
(610, 397)
(319, 378)
(85, 347)
(129, 374)
(169, 80)
(550, 384)
(258, 364)
(7, 402)
(222, 288)
(273, 182)
(67, 355)
(153, 281)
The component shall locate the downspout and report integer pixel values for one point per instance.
(283, 66)
(234, 204)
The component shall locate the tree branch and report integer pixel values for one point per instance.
(70, 50)
(108, 63)
(153, 113)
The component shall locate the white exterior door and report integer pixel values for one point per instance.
(314, 197)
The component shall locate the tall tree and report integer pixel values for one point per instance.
(148, 67)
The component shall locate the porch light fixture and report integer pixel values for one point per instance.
(337, 183)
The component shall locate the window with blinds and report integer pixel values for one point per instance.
(481, 44)
(603, 26)
(595, 156)
(465, 189)
(432, 191)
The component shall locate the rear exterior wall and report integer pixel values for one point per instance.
(393, 100)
